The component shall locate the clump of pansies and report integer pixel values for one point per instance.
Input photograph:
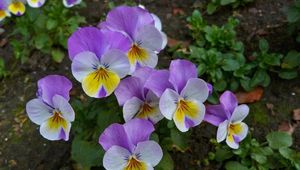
(119, 56)
(18, 8)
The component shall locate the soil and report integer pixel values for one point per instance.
(22, 147)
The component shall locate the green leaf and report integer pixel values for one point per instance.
(291, 60)
(233, 165)
(166, 163)
(51, 23)
(279, 140)
(288, 74)
(222, 154)
(260, 158)
(86, 154)
(211, 8)
(226, 2)
(263, 45)
(293, 14)
(259, 78)
(220, 85)
(41, 41)
(230, 65)
(179, 139)
(57, 55)
(287, 153)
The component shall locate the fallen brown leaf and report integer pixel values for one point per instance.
(286, 127)
(296, 114)
(250, 97)
(173, 42)
(270, 106)
(178, 11)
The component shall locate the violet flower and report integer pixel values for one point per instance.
(71, 3)
(17, 7)
(128, 146)
(144, 30)
(228, 116)
(138, 101)
(4, 12)
(181, 93)
(98, 59)
(51, 109)
(36, 3)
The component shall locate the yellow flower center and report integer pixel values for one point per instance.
(134, 164)
(2, 14)
(57, 121)
(136, 53)
(188, 108)
(233, 129)
(145, 111)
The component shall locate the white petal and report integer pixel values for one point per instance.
(153, 100)
(36, 4)
(83, 64)
(222, 131)
(244, 132)
(64, 107)
(151, 61)
(55, 134)
(195, 89)
(131, 108)
(69, 5)
(149, 37)
(232, 143)
(116, 158)
(38, 111)
(116, 61)
(239, 113)
(165, 40)
(157, 22)
(149, 152)
(167, 103)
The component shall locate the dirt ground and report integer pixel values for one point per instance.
(22, 147)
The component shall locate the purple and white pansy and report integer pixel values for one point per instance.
(144, 31)
(181, 92)
(71, 3)
(4, 12)
(138, 101)
(98, 59)
(228, 116)
(51, 109)
(128, 146)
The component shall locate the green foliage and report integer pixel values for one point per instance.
(220, 57)
(293, 16)
(215, 4)
(45, 29)
(272, 154)
(3, 71)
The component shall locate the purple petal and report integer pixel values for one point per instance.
(210, 88)
(87, 39)
(138, 130)
(128, 88)
(215, 114)
(150, 38)
(113, 135)
(180, 72)
(158, 82)
(143, 73)
(128, 19)
(54, 85)
(117, 40)
(229, 102)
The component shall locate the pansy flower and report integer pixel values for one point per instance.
(128, 146)
(98, 59)
(144, 30)
(17, 7)
(138, 101)
(4, 12)
(51, 109)
(181, 93)
(228, 116)
(36, 3)
(71, 3)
